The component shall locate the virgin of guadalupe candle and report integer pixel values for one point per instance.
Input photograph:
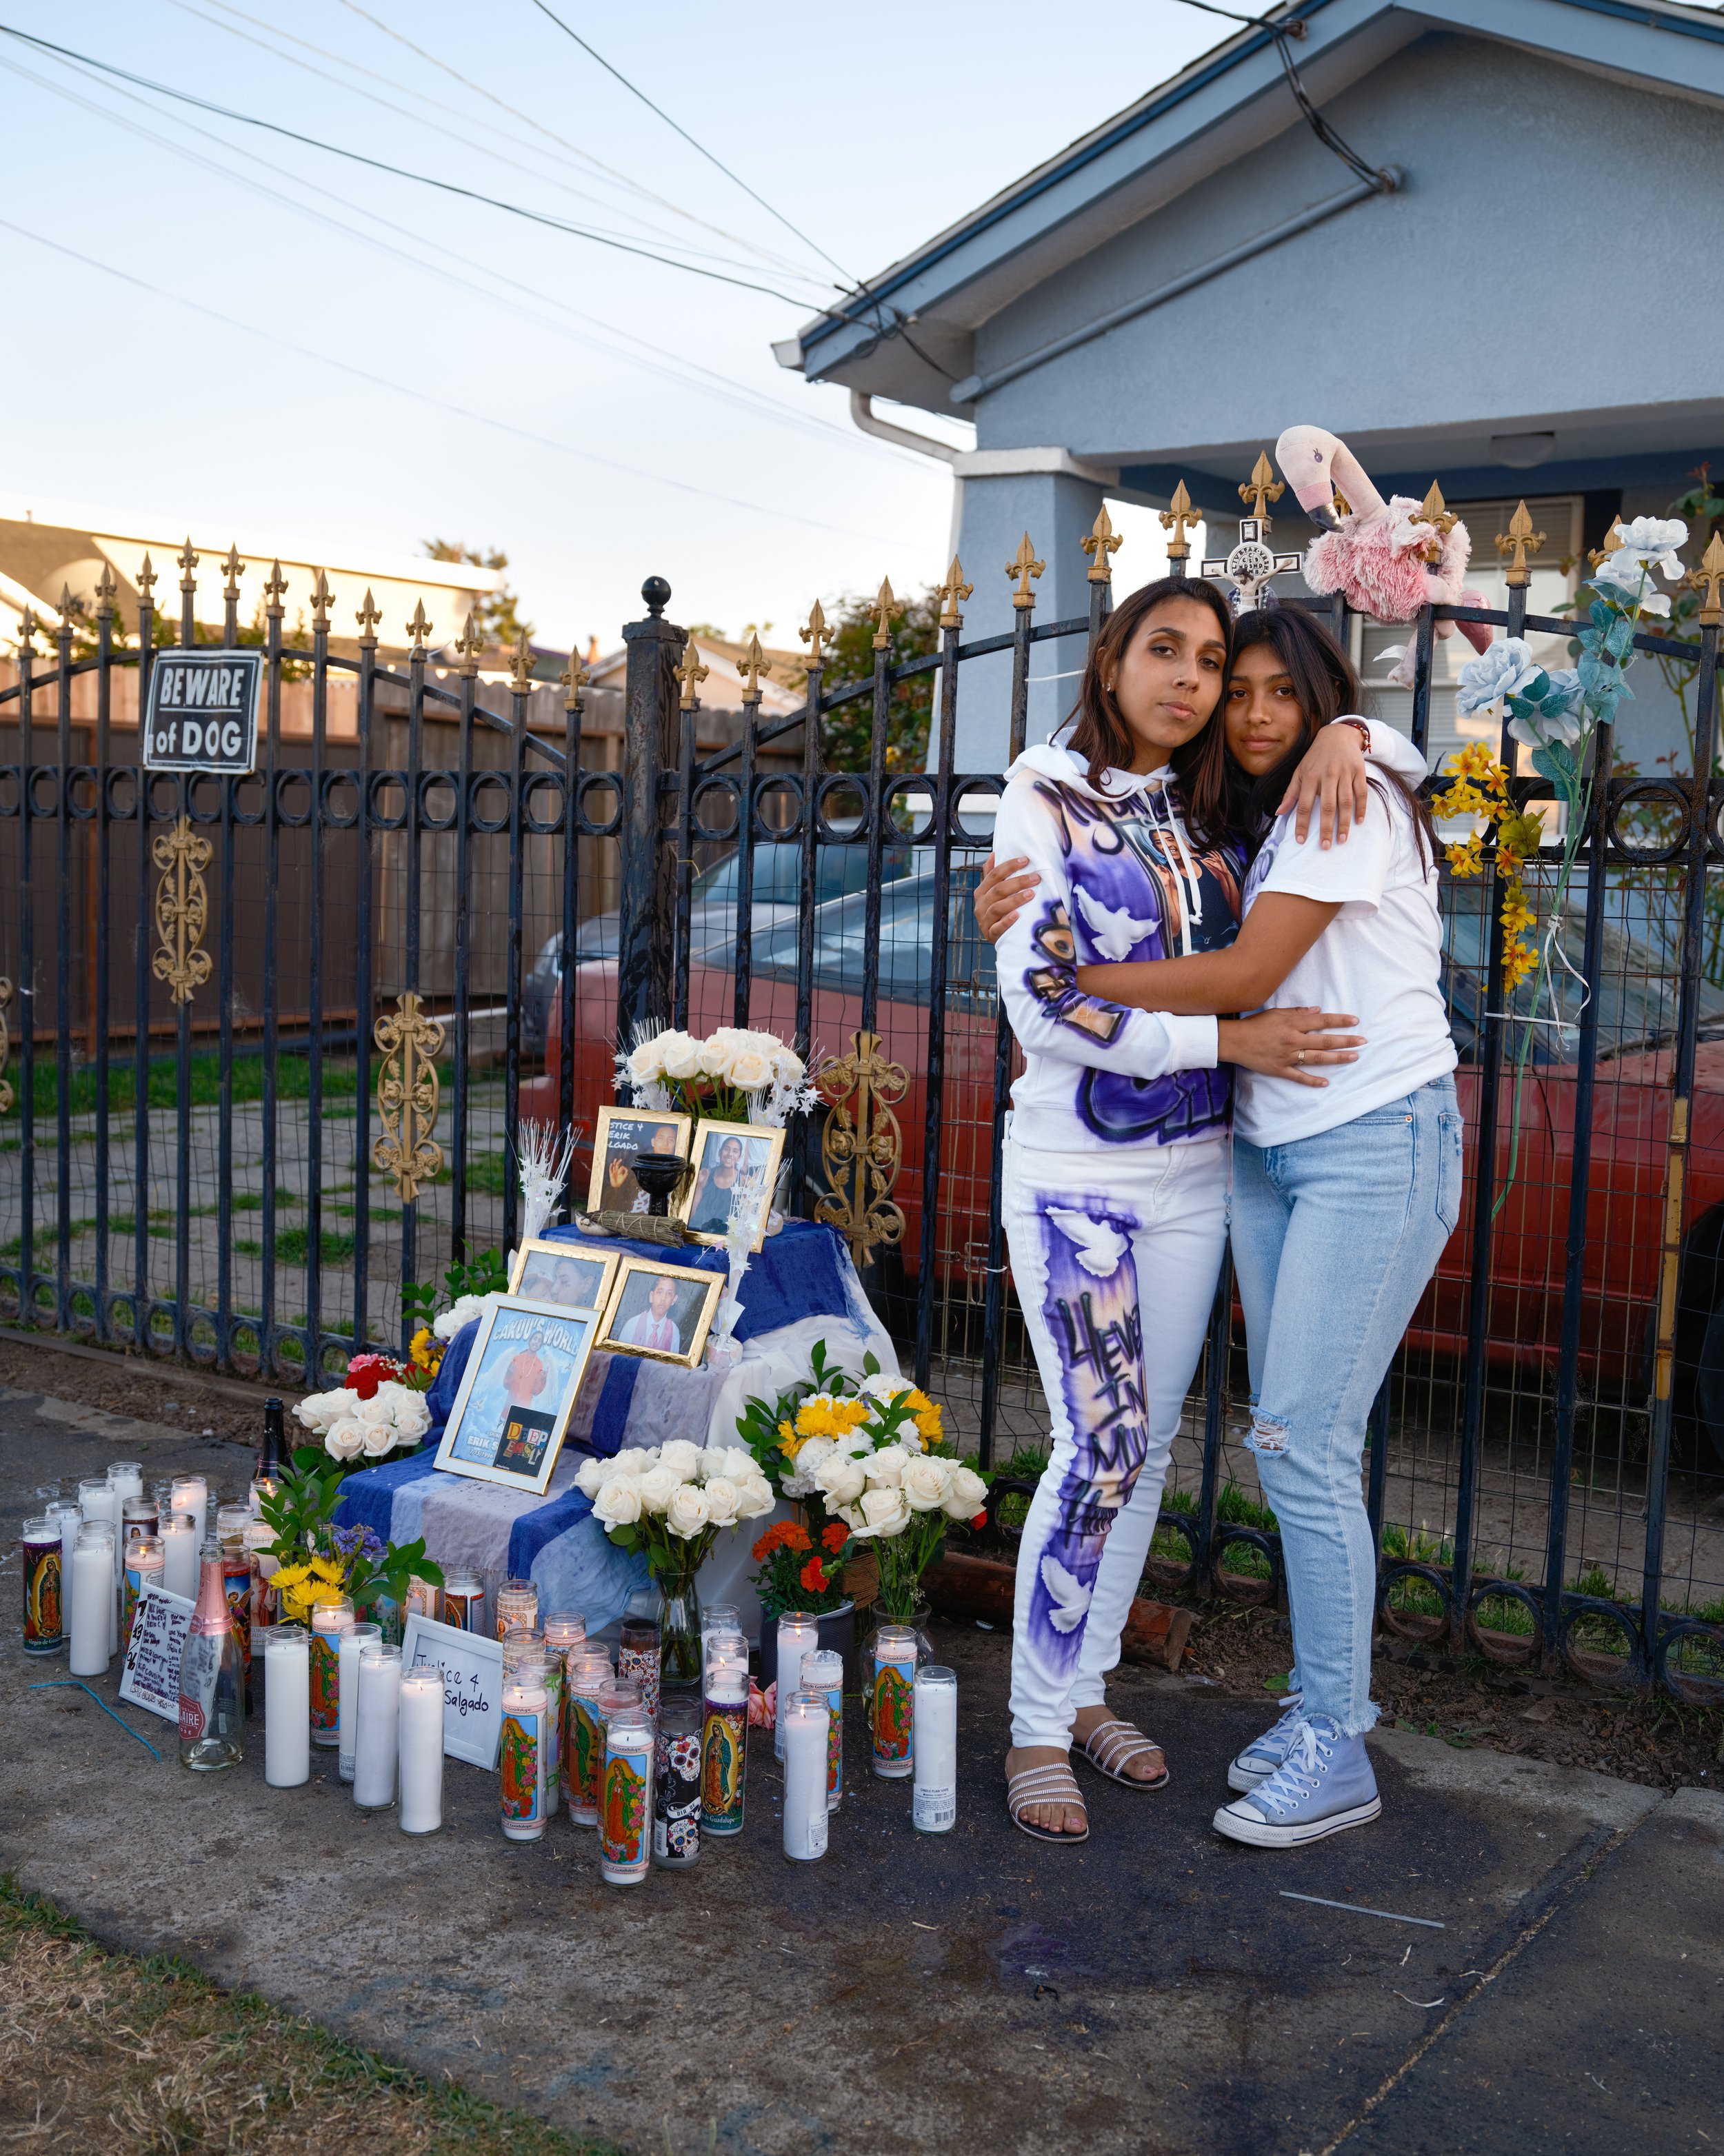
(351, 1644)
(463, 1601)
(522, 1643)
(329, 1620)
(421, 1597)
(625, 1795)
(39, 1553)
(287, 1688)
(797, 1634)
(379, 1736)
(516, 1604)
(178, 1535)
(421, 1767)
(725, 1734)
(92, 1598)
(637, 1655)
(806, 1724)
(137, 1517)
(934, 1803)
(676, 1779)
(260, 1540)
(143, 1569)
(823, 1672)
(588, 1671)
(892, 1716)
(521, 1757)
(236, 1581)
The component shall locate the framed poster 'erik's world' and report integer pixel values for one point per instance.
(517, 1392)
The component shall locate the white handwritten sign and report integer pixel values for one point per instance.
(472, 1669)
(158, 1639)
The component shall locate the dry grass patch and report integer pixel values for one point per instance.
(104, 2051)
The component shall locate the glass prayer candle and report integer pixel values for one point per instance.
(797, 1634)
(262, 1486)
(891, 1717)
(137, 1517)
(516, 1604)
(191, 1494)
(462, 1602)
(378, 1740)
(179, 1536)
(806, 1723)
(329, 1620)
(521, 1757)
(637, 1653)
(265, 1605)
(588, 1671)
(421, 1597)
(143, 1569)
(126, 1478)
(725, 1734)
(823, 1672)
(676, 1779)
(93, 1615)
(625, 1792)
(715, 1617)
(230, 1522)
(933, 1804)
(287, 1726)
(421, 1767)
(565, 1629)
(522, 1643)
(99, 1499)
(350, 1646)
(39, 1555)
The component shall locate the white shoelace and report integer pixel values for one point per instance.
(1296, 1777)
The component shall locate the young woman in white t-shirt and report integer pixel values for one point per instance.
(1346, 1188)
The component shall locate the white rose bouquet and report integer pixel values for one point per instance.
(672, 1500)
(734, 1076)
(367, 1419)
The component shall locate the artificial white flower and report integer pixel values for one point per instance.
(884, 1511)
(657, 1486)
(647, 1063)
(927, 1483)
(723, 1502)
(886, 1467)
(682, 1458)
(689, 1510)
(682, 1056)
(1655, 540)
(1503, 670)
(750, 1070)
(618, 1504)
(345, 1439)
(840, 1479)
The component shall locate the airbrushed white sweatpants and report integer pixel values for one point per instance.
(1115, 1257)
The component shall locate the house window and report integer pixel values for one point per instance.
(1553, 565)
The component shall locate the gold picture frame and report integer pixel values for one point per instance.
(517, 1394)
(616, 1137)
(631, 1324)
(762, 1146)
(543, 1269)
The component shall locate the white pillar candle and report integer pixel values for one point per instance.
(126, 1478)
(92, 1600)
(179, 1555)
(99, 1499)
(422, 1750)
(191, 1494)
(380, 1726)
(806, 1724)
(353, 1643)
(66, 1516)
(797, 1634)
(287, 1717)
(934, 1803)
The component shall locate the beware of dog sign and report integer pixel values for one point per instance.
(202, 714)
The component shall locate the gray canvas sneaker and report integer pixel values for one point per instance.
(1263, 1754)
(1324, 1785)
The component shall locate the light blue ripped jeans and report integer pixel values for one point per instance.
(1334, 1238)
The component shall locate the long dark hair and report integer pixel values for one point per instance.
(1325, 685)
(1101, 735)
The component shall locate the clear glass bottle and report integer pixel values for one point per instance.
(212, 1676)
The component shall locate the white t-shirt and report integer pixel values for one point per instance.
(1380, 959)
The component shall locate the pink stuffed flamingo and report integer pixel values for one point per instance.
(1386, 557)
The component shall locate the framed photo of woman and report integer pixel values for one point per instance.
(517, 1394)
(735, 1170)
(661, 1311)
(621, 1133)
(565, 1274)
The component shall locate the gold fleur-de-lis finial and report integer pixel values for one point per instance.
(1709, 580)
(1101, 546)
(146, 581)
(754, 664)
(1343, 508)
(950, 593)
(234, 569)
(105, 590)
(275, 591)
(886, 605)
(321, 596)
(520, 666)
(575, 677)
(368, 617)
(468, 645)
(419, 628)
(187, 560)
(1262, 488)
(1434, 510)
(691, 674)
(1178, 518)
(814, 633)
(1022, 566)
(26, 632)
(1518, 538)
(1597, 556)
(68, 607)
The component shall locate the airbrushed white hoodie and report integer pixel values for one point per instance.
(1121, 879)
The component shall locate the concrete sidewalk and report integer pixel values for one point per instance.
(1154, 1990)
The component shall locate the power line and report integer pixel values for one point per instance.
(398, 172)
(437, 403)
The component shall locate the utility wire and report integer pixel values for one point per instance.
(437, 403)
(398, 172)
(1283, 32)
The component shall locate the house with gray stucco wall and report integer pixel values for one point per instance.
(1512, 287)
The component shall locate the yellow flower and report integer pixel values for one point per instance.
(822, 1415)
(425, 1348)
(288, 1577)
(788, 1443)
(1464, 858)
(330, 1568)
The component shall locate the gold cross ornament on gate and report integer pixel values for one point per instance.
(1178, 518)
(1101, 546)
(1262, 488)
(1021, 568)
(950, 593)
(691, 674)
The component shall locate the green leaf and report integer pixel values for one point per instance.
(870, 1364)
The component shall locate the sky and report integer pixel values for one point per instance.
(378, 361)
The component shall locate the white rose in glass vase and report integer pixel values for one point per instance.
(689, 1510)
(715, 1057)
(647, 1063)
(886, 1468)
(750, 1070)
(927, 1483)
(657, 1486)
(345, 1439)
(723, 1501)
(967, 1496)
(683, 1056)
(884, 1511)
(840, 1479)
(618, 1503)
(682, 1458)
(755, 1497)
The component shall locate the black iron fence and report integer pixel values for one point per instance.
(269, 1039)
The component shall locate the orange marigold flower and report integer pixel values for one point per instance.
(813, 1575)
(834, 1535)
(796, 1538)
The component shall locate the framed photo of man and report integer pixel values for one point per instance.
(661, 1311)
(621, 1133)
(517, 1392)
(565, 1274)
(735, 1171)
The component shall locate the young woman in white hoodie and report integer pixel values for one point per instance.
(1116, 1163)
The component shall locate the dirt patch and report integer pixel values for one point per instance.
(105, 2051)
(178, 1398)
